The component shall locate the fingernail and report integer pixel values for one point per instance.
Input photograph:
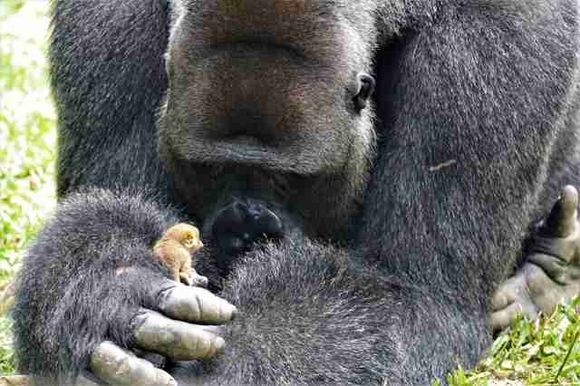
(165, 379)
(171, 382)
(220, 344)
(234, 313)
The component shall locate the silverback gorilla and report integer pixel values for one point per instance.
(405, 213)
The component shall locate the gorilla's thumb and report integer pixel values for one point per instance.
(561, 222)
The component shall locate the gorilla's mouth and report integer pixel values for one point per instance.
(245, 141)
(250, 151)
(248, 147)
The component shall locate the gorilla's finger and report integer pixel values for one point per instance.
(194, 304)
(174, 339)
(547, 269)
(502, 319)
(561, 222)
(508, 292)
(501, 299)
(114, 365)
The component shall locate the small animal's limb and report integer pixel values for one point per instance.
(550, 274)
(175, 272)
(192, 278)
(185, 270)
(184, 278)
(198, 280)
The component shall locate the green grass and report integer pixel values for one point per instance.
(544, 352)
(27, 140)
(27, 129)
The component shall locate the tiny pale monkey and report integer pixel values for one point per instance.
(175, 250)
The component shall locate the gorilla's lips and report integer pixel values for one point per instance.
(304, 159)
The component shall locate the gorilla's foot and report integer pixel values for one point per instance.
(551, 273)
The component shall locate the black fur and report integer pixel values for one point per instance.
(476, 116)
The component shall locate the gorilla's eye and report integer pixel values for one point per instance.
(366, 87)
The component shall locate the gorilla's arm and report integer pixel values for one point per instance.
(91, 276)
(108, 78)
(310, 313)
(91, 269)
(477, 97)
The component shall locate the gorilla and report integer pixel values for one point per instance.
(401, 213)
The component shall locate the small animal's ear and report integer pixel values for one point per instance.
(366, 88)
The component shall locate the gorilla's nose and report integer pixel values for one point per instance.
(248, 123)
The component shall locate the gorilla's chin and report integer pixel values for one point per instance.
(322, 201)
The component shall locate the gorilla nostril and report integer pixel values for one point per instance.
(236, 244)
(366, 88)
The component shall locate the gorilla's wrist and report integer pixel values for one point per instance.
(97, 216)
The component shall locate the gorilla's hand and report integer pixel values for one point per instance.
(551, 273)
(92, 286)
(169, 333)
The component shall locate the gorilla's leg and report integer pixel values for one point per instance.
(551, 272)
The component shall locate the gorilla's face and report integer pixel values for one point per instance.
(269, 85)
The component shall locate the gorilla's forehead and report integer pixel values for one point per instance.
(282, 8)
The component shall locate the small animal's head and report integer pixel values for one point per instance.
(187, 235)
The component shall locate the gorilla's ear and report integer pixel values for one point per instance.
(366, 88)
